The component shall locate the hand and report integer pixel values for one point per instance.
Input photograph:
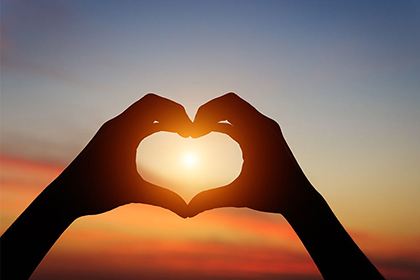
(104, 175)
(271, 179)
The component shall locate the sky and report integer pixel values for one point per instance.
(342, 78)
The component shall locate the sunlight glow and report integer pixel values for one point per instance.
(189, 160)
(186, 165)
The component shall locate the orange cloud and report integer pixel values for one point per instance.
(140, 241)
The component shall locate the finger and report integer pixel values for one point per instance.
(228, 129)
(171, 117)
(211, 199)
(158, 127)
(158, 196)
(152, 108)
(228, 107)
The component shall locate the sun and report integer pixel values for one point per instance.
(189, 160)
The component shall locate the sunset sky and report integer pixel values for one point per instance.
(342, 78)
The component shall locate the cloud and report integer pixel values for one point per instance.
(25, 67)
(139, 241)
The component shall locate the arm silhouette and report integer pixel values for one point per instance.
(272, 181)
(102, 177)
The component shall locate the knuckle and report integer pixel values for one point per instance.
(179, 107)
(107, 125)
(275, 124)
(150, 96)
(201, 112)
(232, 95)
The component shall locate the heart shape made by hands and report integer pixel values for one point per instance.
(188, 166)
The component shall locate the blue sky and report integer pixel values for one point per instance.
(342, 78)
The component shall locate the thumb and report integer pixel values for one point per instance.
(211, 199)
(158, 196)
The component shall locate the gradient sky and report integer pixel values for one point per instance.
(342, 78)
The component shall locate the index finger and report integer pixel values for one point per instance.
(155, 113)
(228, 107)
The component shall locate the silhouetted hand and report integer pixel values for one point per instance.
(104, 175)
(271, 180)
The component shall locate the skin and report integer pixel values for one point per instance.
(104, 176)
(272, 181)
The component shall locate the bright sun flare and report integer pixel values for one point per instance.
(189, 160)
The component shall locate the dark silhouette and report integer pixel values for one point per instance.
(104, 176)
(272, 181)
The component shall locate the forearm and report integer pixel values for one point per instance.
(31, 236)
(332, 249)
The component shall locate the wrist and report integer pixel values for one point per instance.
(59, 204)
(305, 203)
(33, 233)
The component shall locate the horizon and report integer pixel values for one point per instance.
(341, 80)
